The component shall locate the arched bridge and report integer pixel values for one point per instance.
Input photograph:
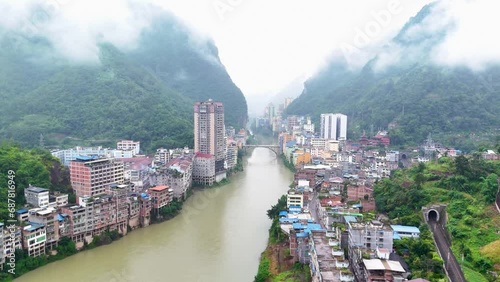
(274, 148)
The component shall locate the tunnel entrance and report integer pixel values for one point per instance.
(432, 216)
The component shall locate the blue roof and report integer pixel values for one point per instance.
(144, 195)
(405, 229)
(86, 158)
(299, 226)
(302, 235)
(307, 227)
(350, 218)
(314, 226)
(283, 213)
(357, 206)
(34, 226)
(290, 143)
(61, 217)
(20, 211)
(395, 236)
(288, 220)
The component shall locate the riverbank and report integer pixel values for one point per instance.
(217, 237)
(276, 263)
(68, 248)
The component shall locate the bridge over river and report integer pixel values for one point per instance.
(274, 148)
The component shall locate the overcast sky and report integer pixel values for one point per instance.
(265, 44)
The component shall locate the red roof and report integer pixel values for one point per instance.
(159, 188)
(201, 155)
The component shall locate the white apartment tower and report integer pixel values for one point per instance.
(333, 126)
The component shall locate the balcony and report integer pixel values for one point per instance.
(330, 234)
(333, 242)
(337, 252)
(346, 276)
(340, 264)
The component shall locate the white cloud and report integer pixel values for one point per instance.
(263, 44)
(474, 40)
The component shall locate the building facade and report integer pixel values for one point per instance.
(37, 197)
(209, 131)
(92, 176)
(161, 196)
(129, 145)
(333, 126)
(204, 169)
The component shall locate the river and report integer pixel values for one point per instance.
(218, 236)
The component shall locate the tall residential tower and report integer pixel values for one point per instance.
(334, 126)
(209, 131)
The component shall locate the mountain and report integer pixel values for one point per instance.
(189, 65)
(402, 86)
(144, 93)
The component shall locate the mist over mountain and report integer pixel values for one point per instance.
(137, 78)
(418, 83)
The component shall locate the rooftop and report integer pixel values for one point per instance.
(86, 158)
(33, 226)
(405, 229)
(36, 189)
(377, 264)
(159, 188)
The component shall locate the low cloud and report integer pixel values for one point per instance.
(454, 33)
(473, 41)
(75, 28)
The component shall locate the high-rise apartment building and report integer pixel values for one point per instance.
(209, 131)
(333, 126)
(92, 176)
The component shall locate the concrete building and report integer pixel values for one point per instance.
(34, 238)
(231, 154)
(69, 155)
(294, 198)
(401, 231)
(333, 126)
(209, 131)
(145, 209)
(383, 270)
(137, 171)
(119, 194)
(161, 196)
(162, 156)
(48, 218)
(80, 221)
(129, 145)
(292, 122)
(58, 200)
(309, 126)
(37, 197)
(327, 259)
(92, 176)
(12, 240)
(179, 175)
(204, 169)
(371, 235)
